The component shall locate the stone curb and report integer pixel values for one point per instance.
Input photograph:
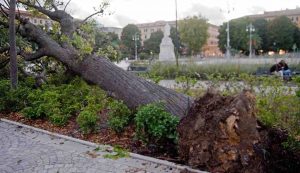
(91, 144)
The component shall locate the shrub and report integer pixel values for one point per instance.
(118, 116)
(4, 87)
(154, 124)
(57, 118)
(58, 103)
(87, 120)
(14, 100)
(43, 104)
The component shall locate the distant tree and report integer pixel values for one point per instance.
(128, 44)
(239, 37)
(297, 37)
(152, 44)
(261, 26)
(107, 45)
(281, 33)
(222, 37)
(193, 32)
(176, 40)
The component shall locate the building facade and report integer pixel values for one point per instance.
(211, 47)
(147, 29)
(293, 14)
(115, 30)
(40, 20)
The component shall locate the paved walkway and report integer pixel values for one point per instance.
(25, 150)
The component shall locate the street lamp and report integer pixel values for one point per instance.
(250, 28)
(176, 37)
(228, 54)
(228, 42)
(135, 37)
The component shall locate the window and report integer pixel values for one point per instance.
(41, 21)
(34, 20)
(145, 36)
(145, 30)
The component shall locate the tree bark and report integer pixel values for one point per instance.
(12, 43)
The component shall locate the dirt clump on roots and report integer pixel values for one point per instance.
(219, 133)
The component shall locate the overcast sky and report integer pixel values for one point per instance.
(142, 11)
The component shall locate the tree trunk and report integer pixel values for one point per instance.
(132, 89)
(12, 43)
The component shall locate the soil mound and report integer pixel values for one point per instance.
(219, 133)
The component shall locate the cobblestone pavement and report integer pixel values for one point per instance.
(24, 150)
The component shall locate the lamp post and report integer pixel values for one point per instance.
(228, 42)
(250, 28)
(135, 37)
(228, 47)
(176, 37)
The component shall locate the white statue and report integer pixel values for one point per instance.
(167, 30)
(166, 46)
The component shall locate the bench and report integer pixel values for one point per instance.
(137, 68)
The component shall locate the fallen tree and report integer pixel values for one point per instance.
(92, 68)
(219, 134)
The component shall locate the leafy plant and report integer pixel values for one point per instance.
(59, 103)
(87, 120)
(154, 124)
(14, 100)
(118, 116)
(118, 153)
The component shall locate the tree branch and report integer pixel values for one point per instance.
(54, 6)
(4, 11)
(49, 13)
(38, 2)
(98, 12)
(7, 3)
(67, 5)
(37, 55)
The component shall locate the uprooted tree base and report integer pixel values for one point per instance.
(221, 134)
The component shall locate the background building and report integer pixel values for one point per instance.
(148, 28)
(40, 20)
(115, 30)
(210, 49)
(293, 14)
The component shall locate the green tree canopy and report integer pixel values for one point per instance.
(297, 38)
(239, 37)
(153, 43)
(107, 45)
(281, 33)
(127, 41)
(193, 32)
(261, 28)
